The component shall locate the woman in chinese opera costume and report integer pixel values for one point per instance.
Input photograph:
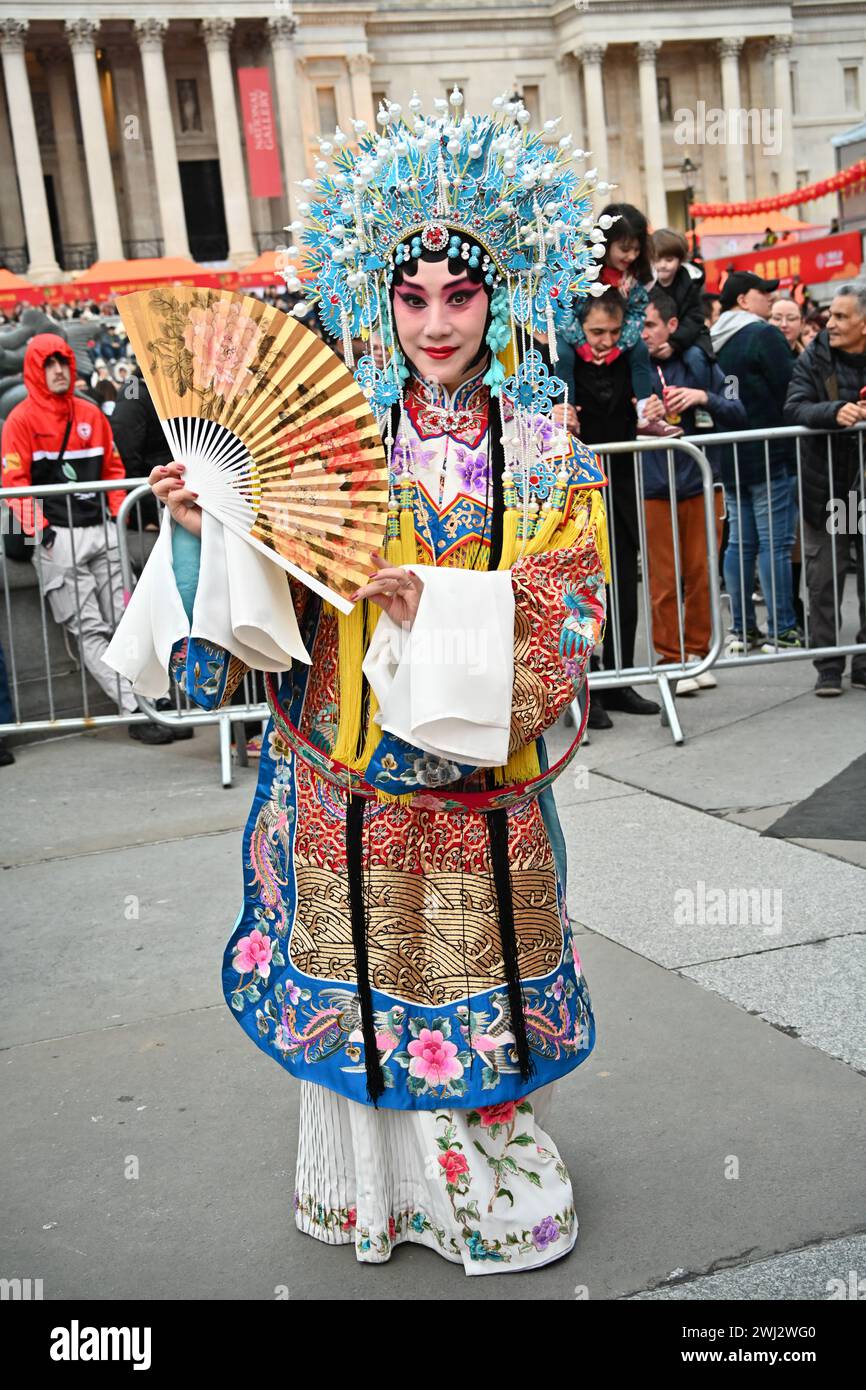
(404, 947)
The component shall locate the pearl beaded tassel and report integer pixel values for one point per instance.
(551, 333)
(348, 351)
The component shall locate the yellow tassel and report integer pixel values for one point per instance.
(521, 766)
(350, 638)
(541, 540)
(509, 539)
(408, 551)
(393, 796)
(598, 522)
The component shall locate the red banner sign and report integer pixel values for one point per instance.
(809, 262)
(263, 155)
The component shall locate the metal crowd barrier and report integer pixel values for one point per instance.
(615, 673)
(45, 672)
(55, 667)
(854, 507)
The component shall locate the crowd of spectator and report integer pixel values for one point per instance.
(653, 357)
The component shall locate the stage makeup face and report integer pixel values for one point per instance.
(440, 320)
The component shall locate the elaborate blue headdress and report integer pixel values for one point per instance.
(489, 190)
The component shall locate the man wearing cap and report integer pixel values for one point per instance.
(758, 365)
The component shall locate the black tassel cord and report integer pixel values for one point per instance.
(357, 908)
(497, 829)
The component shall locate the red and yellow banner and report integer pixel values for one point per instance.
(809, 262)
(263, 155)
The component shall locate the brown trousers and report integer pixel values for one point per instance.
(694, 575)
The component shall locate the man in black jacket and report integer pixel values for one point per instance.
(755, 358)
(828, 392)
(140, 441)
(604, 412)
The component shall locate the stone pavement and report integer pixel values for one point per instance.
(714, 1137)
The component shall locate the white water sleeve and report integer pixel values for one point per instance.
(445, 685)
(242, 603)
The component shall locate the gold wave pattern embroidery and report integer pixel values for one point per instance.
(417, 930)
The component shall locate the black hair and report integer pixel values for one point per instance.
(611, 301)
(664, 303)
(631, 226)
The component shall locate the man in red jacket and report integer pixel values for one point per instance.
(55, 436)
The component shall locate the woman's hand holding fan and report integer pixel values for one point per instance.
(168, 484)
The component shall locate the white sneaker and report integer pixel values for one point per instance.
(687, 686)
(706, 680)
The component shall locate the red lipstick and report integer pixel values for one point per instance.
(440, 352)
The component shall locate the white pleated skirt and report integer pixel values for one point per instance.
(485, 1188)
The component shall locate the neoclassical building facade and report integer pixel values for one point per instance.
(122, 125)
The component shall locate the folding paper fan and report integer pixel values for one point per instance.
(277, 437)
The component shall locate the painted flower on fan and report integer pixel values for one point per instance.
(254, 952)
(434, 1058)
(223, 342)
(532, 387)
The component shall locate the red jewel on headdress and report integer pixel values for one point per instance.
(554, 293)
(335, 299)
(434, 237)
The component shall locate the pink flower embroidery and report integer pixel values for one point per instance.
(434, 1058)
(454, 1164)
(392, 1227)
(254, 951)
(577, 966)
(501, 1114)
(351, 1219)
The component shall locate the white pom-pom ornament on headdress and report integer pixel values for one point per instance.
(485, 185)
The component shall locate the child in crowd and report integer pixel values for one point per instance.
(684, 283)
(626, 268)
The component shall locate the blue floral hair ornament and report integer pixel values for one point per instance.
(485, 189)
(532, 387)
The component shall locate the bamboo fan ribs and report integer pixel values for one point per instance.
(277, 437)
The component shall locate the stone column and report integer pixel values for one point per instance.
(100, 178)
(28, 163)
(729, 55)
(136, 184)
(150, 34)
(653, 160)
(217, 36)
(74, 212)
(282, 29)
(360, 66)
(11, 221)
(569, 99)
(780, 50)
(591, 56)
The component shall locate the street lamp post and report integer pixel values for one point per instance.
(688, 173)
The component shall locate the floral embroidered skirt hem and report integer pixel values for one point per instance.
(486, 1188)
